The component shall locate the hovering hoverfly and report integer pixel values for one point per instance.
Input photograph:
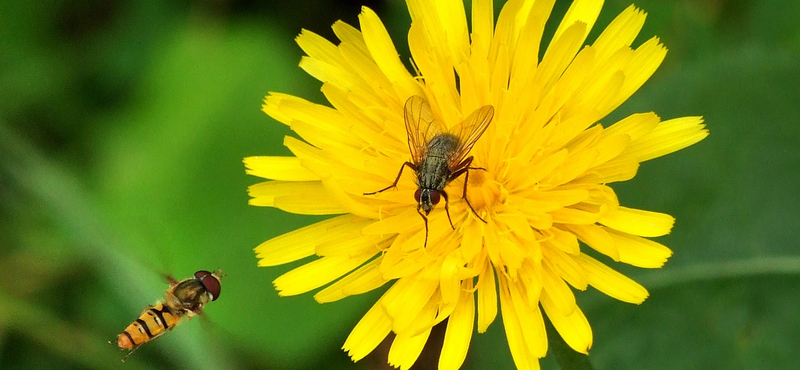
(184, 298)
(439, 155)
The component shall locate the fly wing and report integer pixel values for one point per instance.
(421, 126)
(468, 133)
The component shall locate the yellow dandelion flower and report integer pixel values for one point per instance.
(546, 161)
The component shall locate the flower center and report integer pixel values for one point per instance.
(483, 190)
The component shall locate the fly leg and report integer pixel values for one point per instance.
(410, 165)
(464, 194)
(446, 208)
(425, 219)
(464, 168)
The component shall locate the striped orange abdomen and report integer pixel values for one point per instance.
(152, 323)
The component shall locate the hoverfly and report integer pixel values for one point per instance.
(184, 298)
(439, 155)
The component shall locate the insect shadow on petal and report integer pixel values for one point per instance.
(439, 155)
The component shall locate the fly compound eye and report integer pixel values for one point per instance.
(210, 282)
(435, 197)
(417, 195)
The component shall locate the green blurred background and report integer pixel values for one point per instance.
(122, 130)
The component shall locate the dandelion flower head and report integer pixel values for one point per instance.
(547, 160)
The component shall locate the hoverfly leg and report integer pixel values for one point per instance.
(447, 208)
(131, 352)
(409, 164)
(425, 219)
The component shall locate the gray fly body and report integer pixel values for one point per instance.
(438, 155)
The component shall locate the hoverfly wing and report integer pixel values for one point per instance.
(469, 131)
(421, 126)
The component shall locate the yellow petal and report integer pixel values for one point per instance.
(356, 205)
(560, 53)
(637, 221)
(278, 168)
(573, 327)
(530, 319)
(516, 223)
(635, 125)
(310, 157)
(354, 246)
(557, 291)
(373, 88)
(398, 263)
(610, 146)
(472, 240)
(566, 267)
(425, 319)
(584, 11)
(329, 74)
(526, 53)
(597, 238)
(574, 216)
(646, 59)
(363, 280)
(405, 221)
(453, 20)
(291, 109)
(350, 35)
(576, 165)
(487, 298)
(317, 47)
(368, 333)
(638, 251)
(622, 168)
(459, 331)
(669, 136)
(538, 170)
(382, 49)
(317, 273)
(482, 20)
(521, 352)
(309, 198)
(449, 282)
(406, 349)
(563, 240)
(300, 243)
(620, 32)
(610, 282)
(405, 299)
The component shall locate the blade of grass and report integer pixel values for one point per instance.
(758, 266)
(46, 329)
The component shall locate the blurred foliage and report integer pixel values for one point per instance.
(122, 130)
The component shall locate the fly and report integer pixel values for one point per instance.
(439, 155)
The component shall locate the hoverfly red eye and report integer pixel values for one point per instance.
(417, 194)
(210, 282)
(435, 197)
